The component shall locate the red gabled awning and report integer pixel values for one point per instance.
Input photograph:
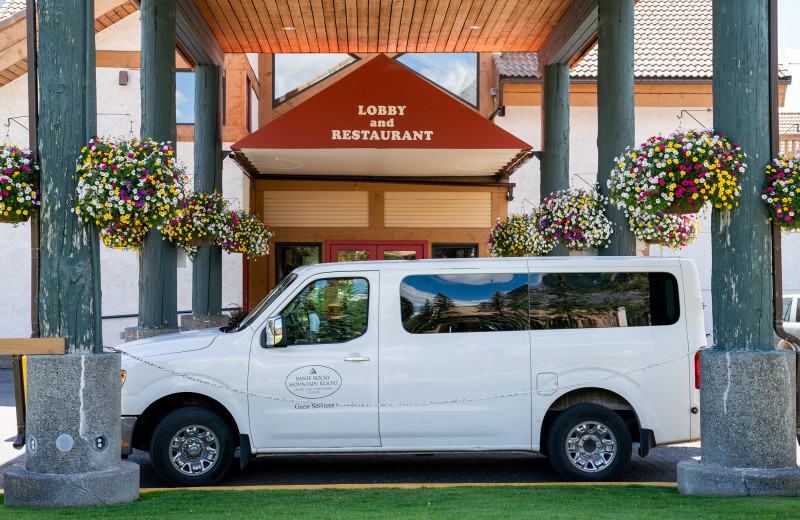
(382, 120)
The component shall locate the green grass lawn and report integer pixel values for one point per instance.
(459, 503)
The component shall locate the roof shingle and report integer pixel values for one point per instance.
(672, 39)
(11, 7)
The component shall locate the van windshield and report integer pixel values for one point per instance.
(271, 297)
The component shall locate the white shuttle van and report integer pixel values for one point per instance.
(576, 358)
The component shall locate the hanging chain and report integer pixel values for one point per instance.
(545, 391)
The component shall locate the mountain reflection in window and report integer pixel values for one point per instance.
(464, 303)
(598, 300)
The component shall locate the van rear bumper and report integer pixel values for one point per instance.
(126, 441)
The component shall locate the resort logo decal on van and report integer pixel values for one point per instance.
(313, 382)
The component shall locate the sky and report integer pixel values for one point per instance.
(789, 49)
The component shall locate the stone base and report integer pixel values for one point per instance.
(99, 488)
(696, 478)
(747, 426)
(134, 333)
(200, 321)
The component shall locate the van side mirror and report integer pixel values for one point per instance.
(273, 336)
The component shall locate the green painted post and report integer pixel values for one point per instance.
(207, 268)
(741, 274)
(69, 276)
(555, 135)
(158, 278)
(615, 108)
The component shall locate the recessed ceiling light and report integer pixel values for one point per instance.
(288, 28)
(474, 27)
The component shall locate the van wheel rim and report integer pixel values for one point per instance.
(194, 450)
(591, 446)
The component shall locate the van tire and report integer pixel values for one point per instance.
(576, 439)
(191, 446)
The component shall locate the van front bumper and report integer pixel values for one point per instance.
(128, 424)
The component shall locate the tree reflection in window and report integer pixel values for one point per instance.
(464, 303)
(597, 300)
(332, 310)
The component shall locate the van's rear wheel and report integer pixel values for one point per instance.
(191, 446)
(589, 442)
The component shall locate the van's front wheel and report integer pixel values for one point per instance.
(191, 446)
(589, 442)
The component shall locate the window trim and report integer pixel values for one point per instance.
(276, 103)
(440, 87)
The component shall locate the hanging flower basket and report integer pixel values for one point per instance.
(517, 236)
(18, 198)
(683, 207)
(126, 187)
(200, 220)
(678, 174)
(244, 233)
(672, 231)
(782, 191)
(575, 218)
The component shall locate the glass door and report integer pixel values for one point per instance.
(353, 251)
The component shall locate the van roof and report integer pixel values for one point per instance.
(546, 262)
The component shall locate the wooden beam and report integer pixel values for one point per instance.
(31, 346)
(571, 35)
(158, 276)
(194, 34)
(615, 109)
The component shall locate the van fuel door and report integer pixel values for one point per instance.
(546, 383)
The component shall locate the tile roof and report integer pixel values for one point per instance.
(10, 7)
(516, 64)
(672, 39)
(789, 123)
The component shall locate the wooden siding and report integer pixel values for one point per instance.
(440, 210)
(665, 93)
(316, 209)
(381, 25)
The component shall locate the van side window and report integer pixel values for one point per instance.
(464, 303)
(328, 311)
(596, 300)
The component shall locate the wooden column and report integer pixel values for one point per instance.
(158, 278)
(741, 260)
(555, 135)
(615, 107)
(69, 276)
(207, 267)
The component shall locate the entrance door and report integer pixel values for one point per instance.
(352, 251)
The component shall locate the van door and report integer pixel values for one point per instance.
(455, 360)
(320, 391)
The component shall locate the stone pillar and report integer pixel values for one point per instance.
(207, 267)
(555, 135)
(747, 403)
(72, 448)
(158, 275)
(615, 108)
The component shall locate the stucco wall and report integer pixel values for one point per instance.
(118, 115)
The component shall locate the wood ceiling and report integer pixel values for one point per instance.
(382, 25)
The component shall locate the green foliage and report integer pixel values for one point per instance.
(630, 502)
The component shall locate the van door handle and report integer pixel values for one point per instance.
(356, 359)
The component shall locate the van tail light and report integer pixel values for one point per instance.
(697, 369)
